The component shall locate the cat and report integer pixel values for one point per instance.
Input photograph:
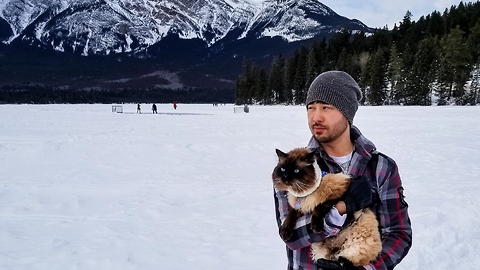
(309, 190)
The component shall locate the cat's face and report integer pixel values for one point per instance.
(295, 171)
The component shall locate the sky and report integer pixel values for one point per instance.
(83, 188)
(378, 14)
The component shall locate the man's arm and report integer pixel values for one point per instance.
(392, 211)
(302, 236)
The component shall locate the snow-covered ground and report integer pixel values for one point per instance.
(84, 188)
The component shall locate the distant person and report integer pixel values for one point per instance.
(246, 109)
(175, 105)
(154, 108)
(138, 108)
(331, 104)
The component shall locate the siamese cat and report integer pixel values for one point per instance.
(309, 190)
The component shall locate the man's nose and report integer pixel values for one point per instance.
(318, 116)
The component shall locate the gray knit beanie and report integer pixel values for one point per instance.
(338, 89)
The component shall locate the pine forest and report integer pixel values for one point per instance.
(435, 60)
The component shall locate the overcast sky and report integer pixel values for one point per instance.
(376, 13)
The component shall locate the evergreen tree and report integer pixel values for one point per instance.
(363, 60)
(473, 41)
(456, 17)
(377, 81)
(263, 95)
(420, 76)
(321, 55)
(416, 32)
(396, 78)
(411, 64)
(290, 73)
(359, 43)
(402, 32)
(242, 85)
(311, 69)
(339, 42)
(454, 61)
(435, 25)
(342, 62)
(473, 97)
(247, 84)
(300, 80)
(276, 80)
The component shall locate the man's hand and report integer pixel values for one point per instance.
(333, 222)
(342, 264)
(359, 195)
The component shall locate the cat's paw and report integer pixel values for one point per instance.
(347, 264)
(316, 223)
(318, 216)
(285, 233)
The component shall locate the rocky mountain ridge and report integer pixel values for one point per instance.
(183, 34)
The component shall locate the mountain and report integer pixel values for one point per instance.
(197, 43)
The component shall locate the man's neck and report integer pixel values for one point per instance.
(342, 146)
(338, 150)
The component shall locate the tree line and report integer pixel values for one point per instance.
(435, 60)
(38, 94)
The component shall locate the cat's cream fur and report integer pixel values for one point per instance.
(359, 243)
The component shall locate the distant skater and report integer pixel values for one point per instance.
(138, 108)
(154, 108)
(175, 105)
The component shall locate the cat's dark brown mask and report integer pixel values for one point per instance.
(295, 171)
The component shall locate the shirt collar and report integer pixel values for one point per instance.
(362, 145)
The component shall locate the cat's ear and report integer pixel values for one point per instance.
(311, 157)
(280, 154)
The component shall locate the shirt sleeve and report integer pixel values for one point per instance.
(303, 235)
(333, 222)
(392, 211)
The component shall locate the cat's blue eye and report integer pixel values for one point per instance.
(296, 171)
(282, 169)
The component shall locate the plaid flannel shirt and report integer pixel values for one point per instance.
(391, 211)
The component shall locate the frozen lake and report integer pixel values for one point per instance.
(85, 188)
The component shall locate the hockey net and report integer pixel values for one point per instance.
(240, 109)
(117, 108)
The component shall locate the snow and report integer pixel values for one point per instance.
(85, 188)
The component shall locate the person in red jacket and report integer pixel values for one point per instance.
(175, 105)
(332, 101)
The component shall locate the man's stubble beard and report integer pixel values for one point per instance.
(334, 132)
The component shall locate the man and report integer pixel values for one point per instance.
(332, 101)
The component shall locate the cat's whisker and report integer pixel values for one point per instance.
(301, 186)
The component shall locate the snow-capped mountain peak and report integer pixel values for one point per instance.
(114, 26)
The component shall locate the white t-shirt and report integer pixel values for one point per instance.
(343, 162)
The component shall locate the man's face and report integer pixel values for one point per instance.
(326, 122)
